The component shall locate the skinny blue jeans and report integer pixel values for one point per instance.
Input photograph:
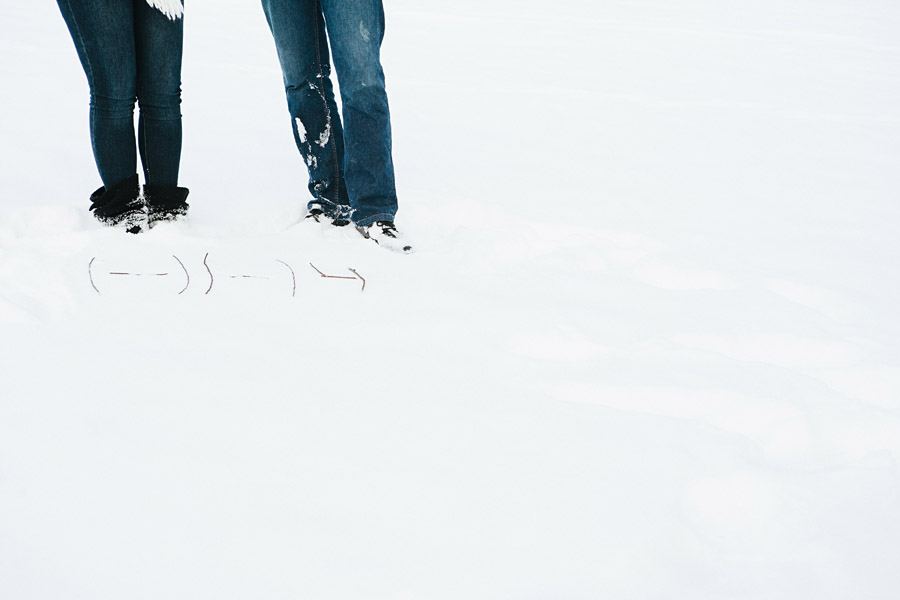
(349, 159)
(130, 51)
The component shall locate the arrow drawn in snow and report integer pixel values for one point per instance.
(358, 276)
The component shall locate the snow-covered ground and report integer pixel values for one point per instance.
(647, 348)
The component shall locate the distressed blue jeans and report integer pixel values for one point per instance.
(130, 51)
(351, 169)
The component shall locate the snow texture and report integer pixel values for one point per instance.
(174, 9)
(655, 357)
(301, 130)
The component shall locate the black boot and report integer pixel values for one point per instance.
(120, 205)
(165, 202)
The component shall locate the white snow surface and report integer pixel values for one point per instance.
(647, 347)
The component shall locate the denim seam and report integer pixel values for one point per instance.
(142, 132)
(142, 125)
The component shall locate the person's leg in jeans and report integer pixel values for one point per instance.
(356, 30)
(103, 34)
(158, 46)
(299, 31)
(158, 49)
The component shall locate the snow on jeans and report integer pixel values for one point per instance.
(351, 171)
(130, 51)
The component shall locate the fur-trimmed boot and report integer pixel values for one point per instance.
(120, 205)
(165, 203)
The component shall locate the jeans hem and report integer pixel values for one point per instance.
(332, 209)
(373, 219)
